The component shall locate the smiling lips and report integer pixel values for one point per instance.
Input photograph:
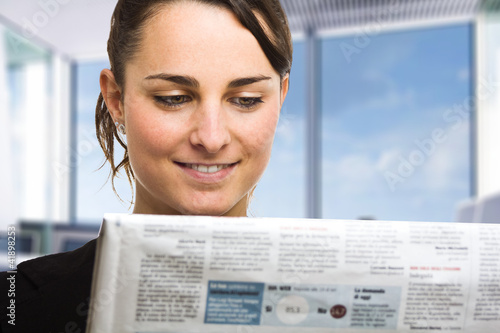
(208, 168)
(207, 173)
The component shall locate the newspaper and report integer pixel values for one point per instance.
(208, 274)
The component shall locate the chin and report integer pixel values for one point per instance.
(211, 204)
(206, 211)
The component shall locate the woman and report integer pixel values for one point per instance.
(193, 94)
(199, 104)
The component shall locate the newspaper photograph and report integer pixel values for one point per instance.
(207, 274)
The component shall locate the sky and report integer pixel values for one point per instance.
(389, 104)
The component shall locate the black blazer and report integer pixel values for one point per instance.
(52, 293)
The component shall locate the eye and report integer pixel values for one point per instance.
(173, 101)
(246, 102)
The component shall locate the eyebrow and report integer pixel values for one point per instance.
(245, 81)
(190, 81)
(179, 79)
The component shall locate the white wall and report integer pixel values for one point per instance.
(59, 164)
(488, 111)
(8, 211)
(34, 134)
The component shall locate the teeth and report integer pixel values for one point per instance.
(207, 169)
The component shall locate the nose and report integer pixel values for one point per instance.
(211, 131)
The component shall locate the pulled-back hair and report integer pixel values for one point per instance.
(265, 19)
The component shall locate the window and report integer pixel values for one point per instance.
(396, 125)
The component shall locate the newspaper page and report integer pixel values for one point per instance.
(208, 274)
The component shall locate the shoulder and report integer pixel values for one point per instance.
(61, 266)
(51, 289)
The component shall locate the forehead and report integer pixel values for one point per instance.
(199, 40)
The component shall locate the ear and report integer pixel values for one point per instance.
(112, 95)
(284, 89)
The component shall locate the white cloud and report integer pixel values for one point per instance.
(387, 158)
(444, 168)
(394, 97)
(352, 174)
(363, 172)
(290, 129)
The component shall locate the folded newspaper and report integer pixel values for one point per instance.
(206, 274)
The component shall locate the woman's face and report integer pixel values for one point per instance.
(201, 104)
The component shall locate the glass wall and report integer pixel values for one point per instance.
(396, 127)
(395, 143)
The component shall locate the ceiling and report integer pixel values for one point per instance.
(78, 29)
(331, 15)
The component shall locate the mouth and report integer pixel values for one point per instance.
(208, 173)
(207, 168)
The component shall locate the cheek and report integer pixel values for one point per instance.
(260, 136)
(148, 132)
(151, 139)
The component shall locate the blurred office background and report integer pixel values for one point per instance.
(393, 114)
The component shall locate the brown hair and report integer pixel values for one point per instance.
(265, 19)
